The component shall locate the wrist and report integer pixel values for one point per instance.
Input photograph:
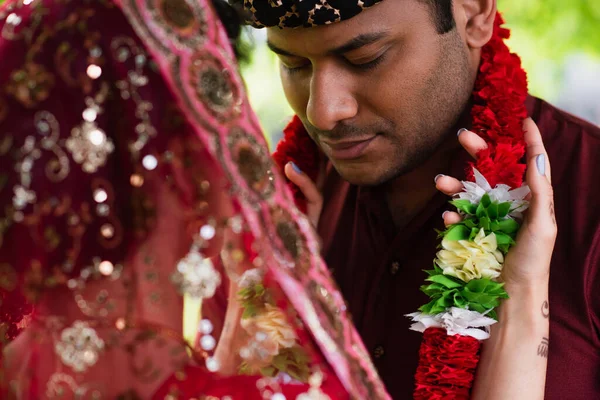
(526, 309)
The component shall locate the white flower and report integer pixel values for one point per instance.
(456, 321)
(469, 260)
(474, 191)
(250, 278)
(79, 346)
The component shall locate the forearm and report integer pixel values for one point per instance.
(232, 336)
(514, 360)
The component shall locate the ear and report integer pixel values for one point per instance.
(476, 19)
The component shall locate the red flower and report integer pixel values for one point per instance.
(297, 146)
(446, 365)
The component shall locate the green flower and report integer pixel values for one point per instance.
(481, 295)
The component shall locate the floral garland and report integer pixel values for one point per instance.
(463, 286)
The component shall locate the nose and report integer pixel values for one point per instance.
(331, 100)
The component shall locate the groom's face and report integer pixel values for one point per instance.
(378, 92)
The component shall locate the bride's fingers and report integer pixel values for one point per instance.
(540, 216)
(448, 185)
(306, 185)
(451, 217)
(471, 141)
(534, 143)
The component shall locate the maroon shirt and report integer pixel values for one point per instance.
(379, 269)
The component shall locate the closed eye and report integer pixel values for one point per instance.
(368, 65)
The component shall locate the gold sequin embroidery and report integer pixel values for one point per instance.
(214, 87)
(252, 162)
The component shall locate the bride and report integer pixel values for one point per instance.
(134, 172)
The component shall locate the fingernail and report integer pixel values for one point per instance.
(296, 168)
(461, 130)
(444, 214)
(437, 177)
(540, 161)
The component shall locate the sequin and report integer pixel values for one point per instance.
(100, 195)
(89, 114)
(22, 197)
(208, 343)
(102, 210)
(205, 327)
(79, 346)
(183, 22)
(149, 162)
(107, 231)
(214, 88)
(48, 127)
(106, 268)
(96, 52)
(252, 162)
(13, 19)
(86, 147)
(120, 324)
(212, 364)
(207, 232)
(196, 276)
(294, 253)
(97, 137)
(326, 305)
(123, 48)
(136, 180)
(94, 71)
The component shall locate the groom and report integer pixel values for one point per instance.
(382, 87)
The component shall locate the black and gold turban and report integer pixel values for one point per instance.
(307, 13)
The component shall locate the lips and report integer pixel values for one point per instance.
(347, 150)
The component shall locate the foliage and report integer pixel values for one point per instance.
(489, 215)
(481, 295)
(545, 32)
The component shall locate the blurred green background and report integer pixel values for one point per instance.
(558, 41)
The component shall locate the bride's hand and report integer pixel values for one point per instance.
(527, 264)
(514, 360)
(310, 189)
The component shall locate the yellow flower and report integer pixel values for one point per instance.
(271, 328)
(469, 260)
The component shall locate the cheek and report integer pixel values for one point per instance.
(397, 92)
(296, 90)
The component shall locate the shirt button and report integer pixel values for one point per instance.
(395, 268)
(378, 352)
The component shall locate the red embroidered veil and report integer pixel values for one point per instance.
(130, 161)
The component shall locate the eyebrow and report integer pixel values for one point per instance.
(356, 43)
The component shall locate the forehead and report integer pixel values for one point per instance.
(393, 17)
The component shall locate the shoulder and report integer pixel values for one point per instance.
(558, 125)
(573, 144)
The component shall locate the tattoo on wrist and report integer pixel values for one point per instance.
(546, 309)
(542, 350)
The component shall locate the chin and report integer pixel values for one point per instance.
(360, 175)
